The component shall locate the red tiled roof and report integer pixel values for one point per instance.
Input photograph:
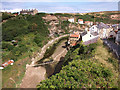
(74, 35)
(80, 19)
(7, 63)
(73, 44)
(87, 21)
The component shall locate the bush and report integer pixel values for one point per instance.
(23, 24)
(38, 40)
(7, 46)
(19, 50)
(6, 16)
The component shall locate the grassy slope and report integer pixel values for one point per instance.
(93, 72)
(16, 72)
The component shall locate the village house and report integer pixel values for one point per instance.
(71, 20)
(87, 23)
(74, 38)
(115, 27)
(32, 12)
(91, 23)
(104, 30)
(80, 21)
(94, 29)
(112, 34)
(89, 38)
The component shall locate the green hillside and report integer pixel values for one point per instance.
(83, 69)
(31, 34)
(27, 30)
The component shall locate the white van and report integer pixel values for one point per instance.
(118, 38)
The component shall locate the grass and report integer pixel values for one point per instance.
(17, 71)
(103, 56)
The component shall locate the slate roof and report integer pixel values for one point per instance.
(114, 26)
(102, 25)
(94, 33)
(84, 33)
(118, 32)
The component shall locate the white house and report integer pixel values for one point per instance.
(91, 23)
(87, 23)
(71, 20)
(94, 29)
(89, 38)
(80, 21)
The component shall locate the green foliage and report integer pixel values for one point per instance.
(64, 15)
(86, 17)
(85, 73)
(97, 14)
(64, 25)
(17, 51)
(38, 40)
(7, 46)
(18, 28)
(6, 16)
(110, 60)
(23, 24)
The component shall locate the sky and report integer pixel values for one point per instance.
(60, 6)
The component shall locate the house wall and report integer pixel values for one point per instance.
(80, 21)
(104, 33)
(93, 40)
(71, 20)
(93, 29)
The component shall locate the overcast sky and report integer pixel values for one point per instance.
(59, 6)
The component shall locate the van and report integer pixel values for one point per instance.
(117, 41)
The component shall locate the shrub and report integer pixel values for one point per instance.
(7, 46)
(38, 40)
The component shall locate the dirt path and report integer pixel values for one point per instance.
(34, 75)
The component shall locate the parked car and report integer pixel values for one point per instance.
(118, 38)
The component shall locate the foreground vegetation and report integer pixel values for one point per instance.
(83, 68)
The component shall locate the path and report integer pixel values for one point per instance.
(34, 75)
